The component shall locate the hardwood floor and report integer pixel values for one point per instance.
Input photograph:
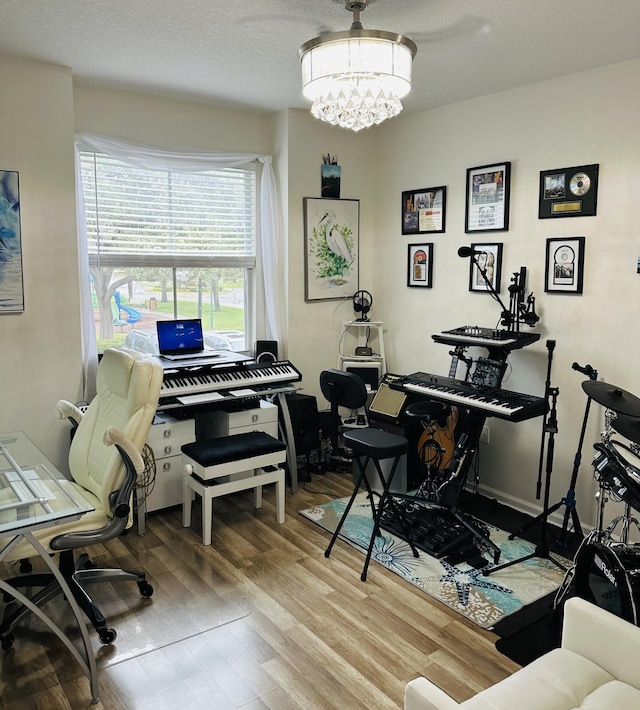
(259, 620)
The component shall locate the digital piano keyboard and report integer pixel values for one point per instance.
(492, 402)
(183, 382)
(486, 337)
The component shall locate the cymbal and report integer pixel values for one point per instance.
(613, 397)
(627, 426)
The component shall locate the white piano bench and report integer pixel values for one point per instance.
(227, 464)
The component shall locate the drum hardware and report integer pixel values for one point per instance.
(609, 577)
(613, 397)
(609, 464)
(629, 427)
(618, 473)
(569, 501)
(550, 429)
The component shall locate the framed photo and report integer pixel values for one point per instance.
(423, 210)
(420, 265)
(488, 198)
(331, 243)
(489, 263)
(569, 192)
(564, 267)
(11, 283)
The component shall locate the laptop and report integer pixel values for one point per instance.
(182, 339)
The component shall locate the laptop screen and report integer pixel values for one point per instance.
(180, 337)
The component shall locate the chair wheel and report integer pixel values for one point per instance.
(7, 641)
(107, 636)
(145, 589)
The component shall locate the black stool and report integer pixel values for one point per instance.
(433, 417)
(375, 445)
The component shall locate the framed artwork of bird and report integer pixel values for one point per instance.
(331, 241)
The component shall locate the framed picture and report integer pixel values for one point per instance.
(488, 198)
(331, 236)
(569, 192)
(564, 267)
(11, 285)
(420, 265)
(423, 211)
(486, 267)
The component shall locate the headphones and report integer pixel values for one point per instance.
(362, 302)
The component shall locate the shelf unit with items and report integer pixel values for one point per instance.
(368, 360)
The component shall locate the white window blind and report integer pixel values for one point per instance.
(137, 217)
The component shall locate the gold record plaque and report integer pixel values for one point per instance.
(568, 192)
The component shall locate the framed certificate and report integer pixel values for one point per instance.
(423, 210)
(487, 207)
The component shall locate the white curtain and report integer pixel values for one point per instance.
(87, 322)
(187, 160)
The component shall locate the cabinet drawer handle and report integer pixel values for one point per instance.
(166, 466)
(166, 433)
(167, 449)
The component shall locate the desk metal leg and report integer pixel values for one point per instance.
(292, 457)
(88, 661)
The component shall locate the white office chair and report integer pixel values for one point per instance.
(105, 461)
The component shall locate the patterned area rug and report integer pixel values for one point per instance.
(483, 600)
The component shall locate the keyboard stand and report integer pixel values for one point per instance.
(458, 470)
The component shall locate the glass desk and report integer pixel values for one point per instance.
(35, 495)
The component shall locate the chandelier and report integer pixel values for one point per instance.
(356, 78)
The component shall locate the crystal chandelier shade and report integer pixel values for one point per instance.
(355, 79)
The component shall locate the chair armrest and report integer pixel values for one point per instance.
(117, 438)
(607, 640)
(422, 694)
(119, 499)
(66, 410)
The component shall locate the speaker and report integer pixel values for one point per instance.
(266, 350)
(305, 422)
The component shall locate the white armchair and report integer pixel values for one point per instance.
(596, 667)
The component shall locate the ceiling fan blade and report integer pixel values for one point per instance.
(467, 28)
(264, 22)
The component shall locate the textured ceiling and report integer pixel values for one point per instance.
(243, 53)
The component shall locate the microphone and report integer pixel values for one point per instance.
(468, 251)
(586, 370)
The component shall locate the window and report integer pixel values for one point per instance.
(169, 245)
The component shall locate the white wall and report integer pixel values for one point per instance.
(40, 359)
(576, 120)
(155, 120)
(314, 327)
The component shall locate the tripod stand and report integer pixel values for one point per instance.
(550, 429)
(570, 499)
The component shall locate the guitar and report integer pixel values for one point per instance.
(437, 442)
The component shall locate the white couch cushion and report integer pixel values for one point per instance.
(559, 680)
(615, 695)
